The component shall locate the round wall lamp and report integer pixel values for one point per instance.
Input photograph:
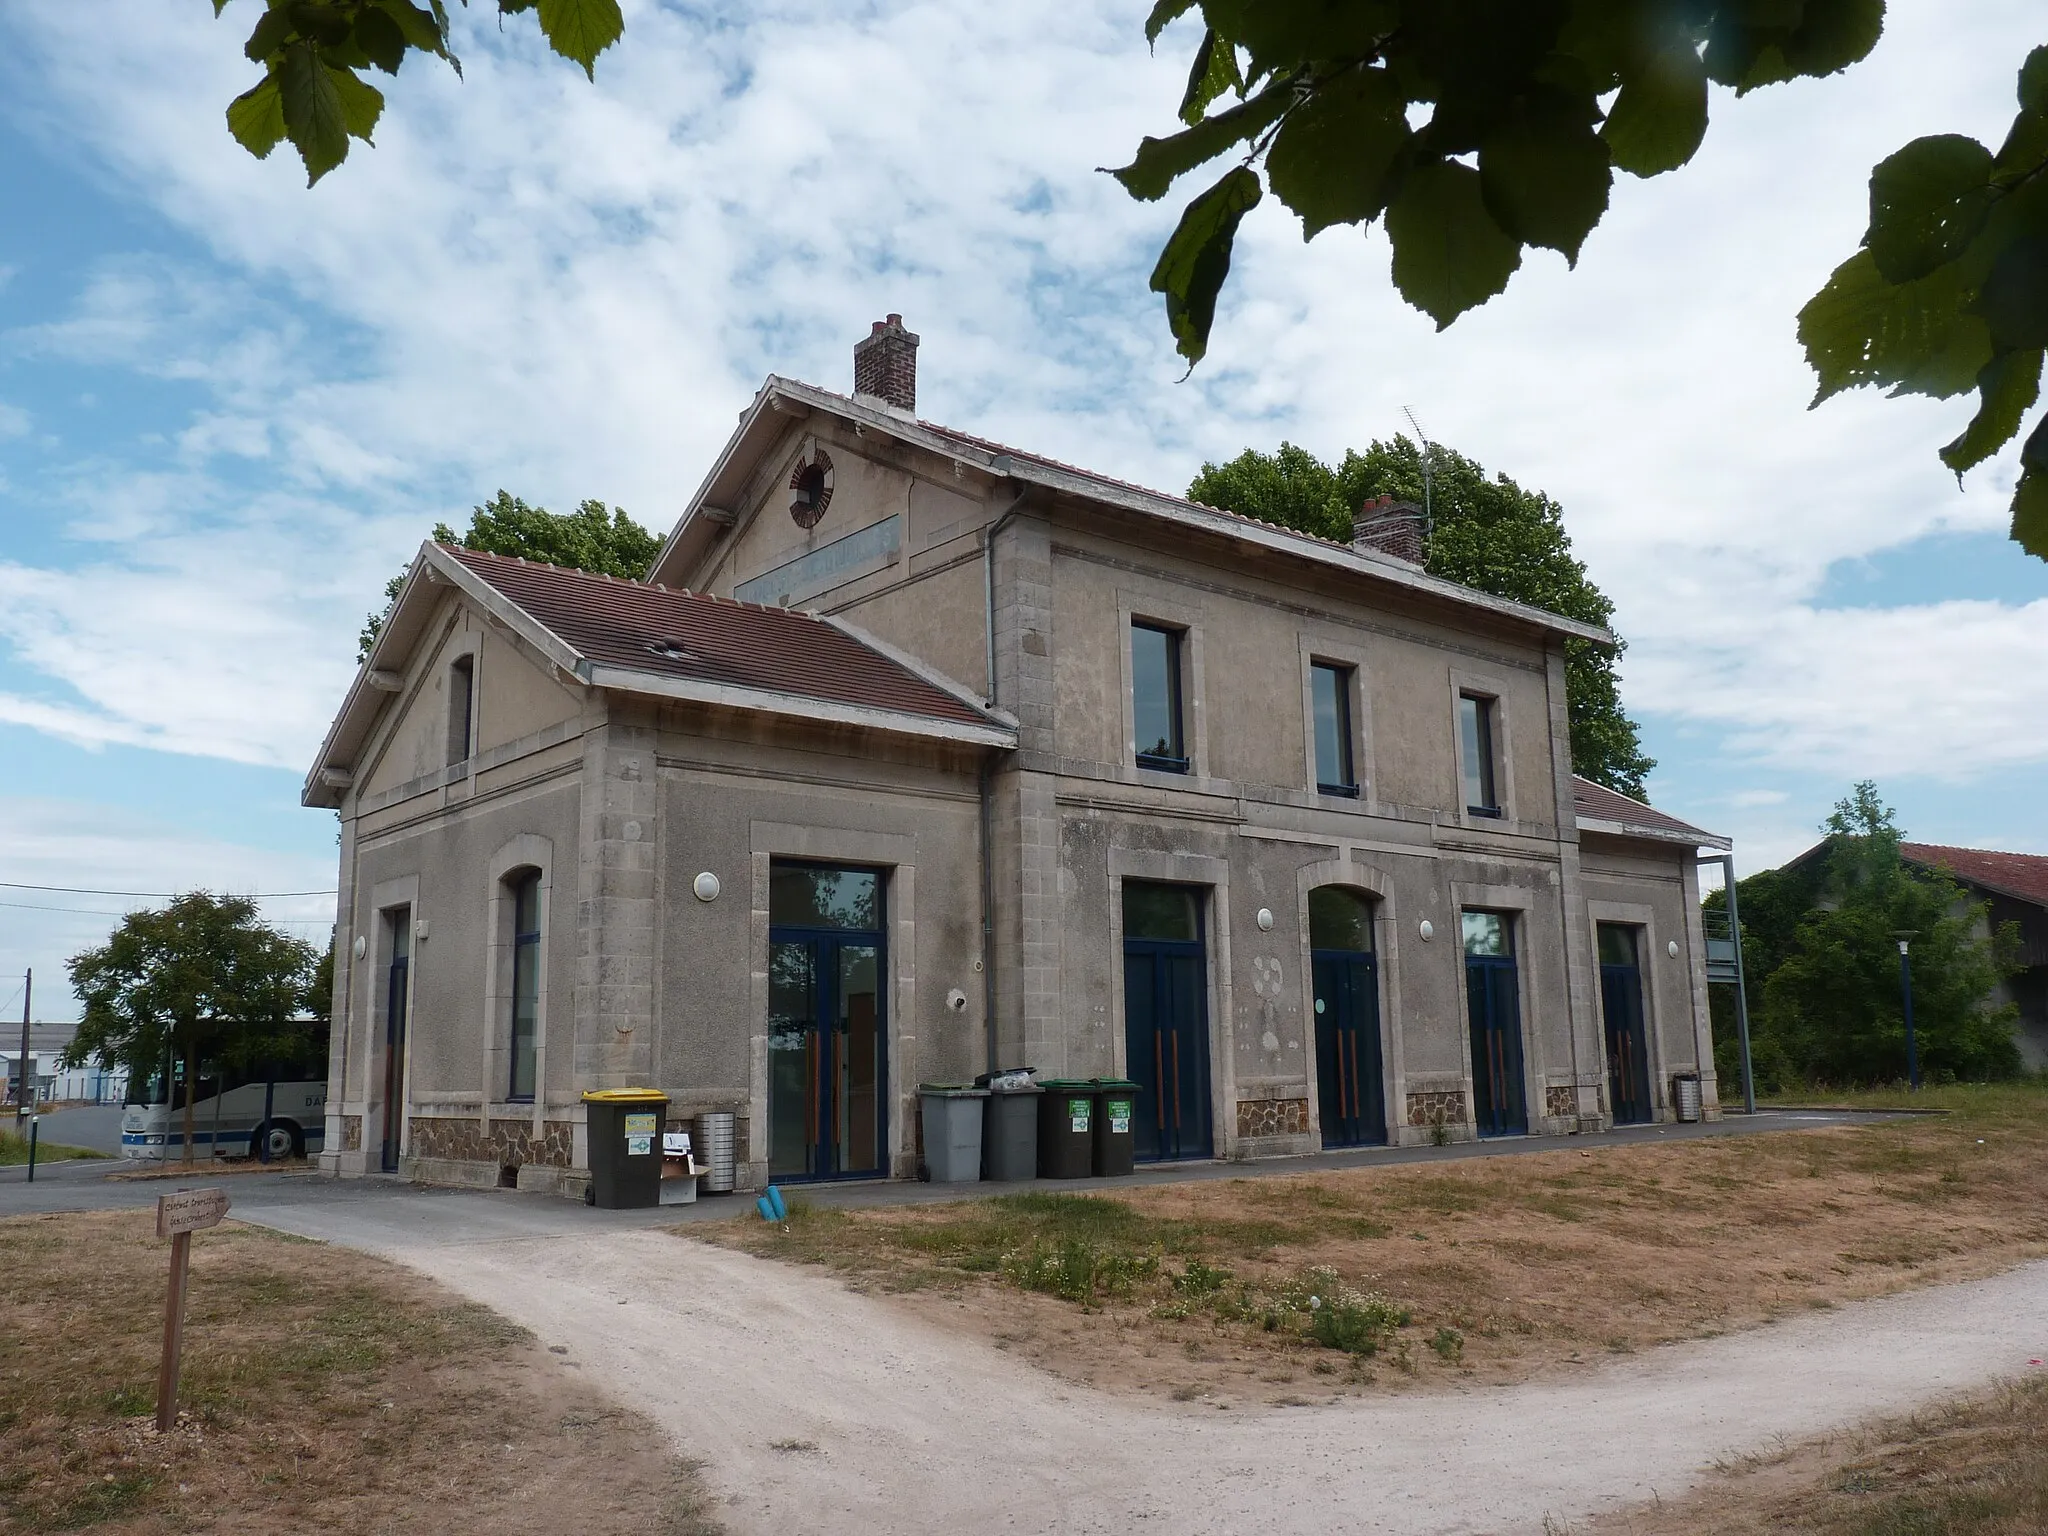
(1265, 919)
(1428, 930)
(360, 948)
(1671, 949)
(705, 886)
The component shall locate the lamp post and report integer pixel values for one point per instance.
(1905, 938)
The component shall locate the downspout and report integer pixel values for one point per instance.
(988, 874)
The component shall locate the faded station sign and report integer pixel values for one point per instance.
(190, 1210)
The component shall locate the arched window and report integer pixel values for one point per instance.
(525, 979)
(1339, 919)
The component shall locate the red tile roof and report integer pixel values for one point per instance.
(1596, 802)
(2023, 875)
(673, 633)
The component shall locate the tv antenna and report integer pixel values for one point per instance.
(1428, 467)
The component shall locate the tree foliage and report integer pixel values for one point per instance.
(316, 55)
(200, 975)
(1949, 292)
(1820, 956)
(592, 538)
(1487, 533)
(1471, 130)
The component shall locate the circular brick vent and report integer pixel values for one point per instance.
(810, 485)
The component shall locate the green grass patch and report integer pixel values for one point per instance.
(14, 1151)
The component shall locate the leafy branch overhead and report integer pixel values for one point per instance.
(1949, 292)
(315, 54)
(1472, 130)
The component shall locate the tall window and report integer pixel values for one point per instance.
(461, 708)
(525, 980)
(1155, 698)
(1475, 731)
(1330, 694)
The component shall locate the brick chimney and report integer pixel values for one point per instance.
(885, 366)
(1385, 526)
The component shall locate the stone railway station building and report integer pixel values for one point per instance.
(914, 754)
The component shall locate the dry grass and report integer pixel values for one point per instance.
(321, 1389)
(1968, 1467)
(1504, 1267)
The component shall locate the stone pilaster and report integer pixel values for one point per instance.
(615, 909)
(1589, 1052)
(1026, 821)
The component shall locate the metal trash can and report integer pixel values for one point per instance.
(952, 1131)
(1116, 1107)
(624, 1127)
(1685, 1095)
(1009, 1132)
(716, 1151)
(1066, 1129)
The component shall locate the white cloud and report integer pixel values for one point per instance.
(570, 290)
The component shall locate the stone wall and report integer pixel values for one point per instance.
(1444, 1106)
(1272, 1117)
(1561, 1101)
(351, 1133)
(509, 1143)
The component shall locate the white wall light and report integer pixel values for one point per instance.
(705, 886)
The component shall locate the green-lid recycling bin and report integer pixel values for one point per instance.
(1066, 1129)
(625, 1126)
(1116, 1107)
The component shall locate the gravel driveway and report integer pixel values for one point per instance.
(818, 1408)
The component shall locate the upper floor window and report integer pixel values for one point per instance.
(461, 709)
(1155, 697)
(525, 981)
(1475, 742)
(1330, 697)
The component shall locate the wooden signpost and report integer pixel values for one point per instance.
(178, 1217)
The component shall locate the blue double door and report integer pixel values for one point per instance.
(1166, 1021)
(828, 1031)
(1500, 1097)
(1621, 1008)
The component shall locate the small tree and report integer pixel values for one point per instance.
(201, 973)
(1487, 533)
(593, 538)
(1832, 1010)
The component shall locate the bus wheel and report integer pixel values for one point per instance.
(282, 1137)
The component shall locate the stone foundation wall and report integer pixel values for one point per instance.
(1446, 1105)
(509, 1143)
(1561, 1101)
(1272, 1117)
(351, 1133)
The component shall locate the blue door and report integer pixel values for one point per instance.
(827, 1024)
(1493, 1008)
(1350, 1087)
(1166, 1021)
(1621, 1007)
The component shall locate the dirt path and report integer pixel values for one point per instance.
(816, 1407)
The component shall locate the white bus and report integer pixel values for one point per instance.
(228, 1109)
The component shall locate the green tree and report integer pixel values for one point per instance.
(1473, 131)
(1486, 533)
(1820, 950)
(202, 974)
(592, 538)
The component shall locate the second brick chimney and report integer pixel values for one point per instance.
(1389, 527)
(885, 366)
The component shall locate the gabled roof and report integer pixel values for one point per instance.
(2022, 876)
(780, 401)
(1601, 809)
(637, 637)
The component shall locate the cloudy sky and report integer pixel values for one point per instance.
(230, 407)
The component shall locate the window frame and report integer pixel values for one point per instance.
(525, 944)
(1176, 638)
(1345, 676)
(462, 709)
(1484, 743)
